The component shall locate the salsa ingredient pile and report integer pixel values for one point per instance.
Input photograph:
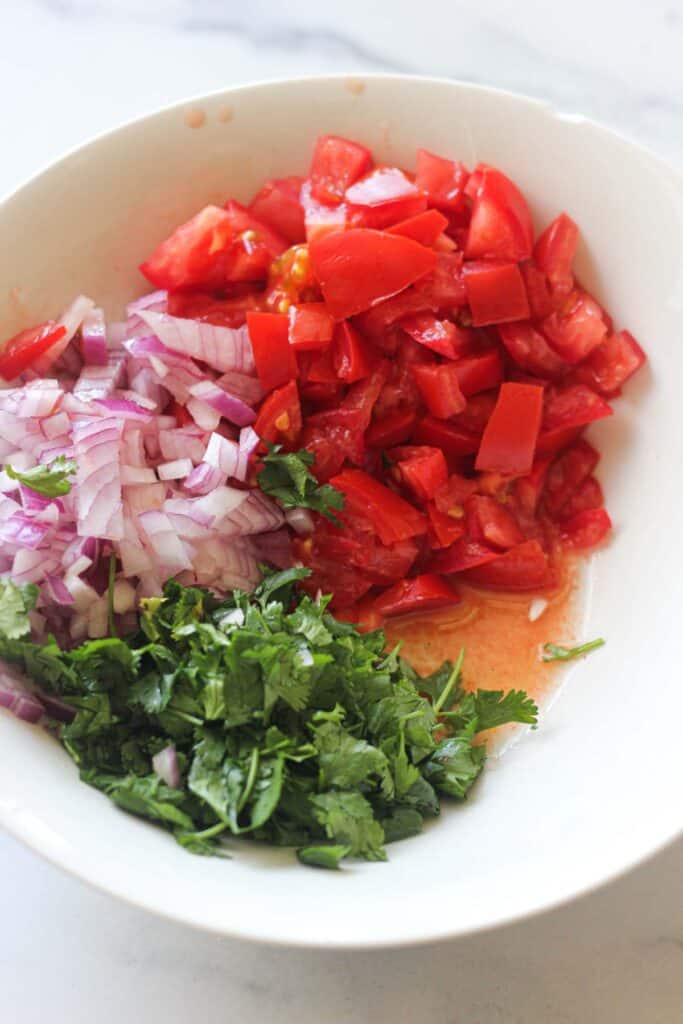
(260, 716)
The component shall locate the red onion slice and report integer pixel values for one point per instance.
(72, 319)
(16, 696)
(97, 446)
(222, 348)
(163, 542)
(225, 404)
(94, 338)
(165, 764)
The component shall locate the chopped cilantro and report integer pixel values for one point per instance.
(554, 652)
(287, 477)
(51, 481)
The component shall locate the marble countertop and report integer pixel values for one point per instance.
(72, 68)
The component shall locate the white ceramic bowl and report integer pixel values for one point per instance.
(597, 787)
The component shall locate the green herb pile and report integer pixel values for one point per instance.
(290, 727)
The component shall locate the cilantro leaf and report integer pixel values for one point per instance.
(456, 763)
(15, 604)
(554, 652)
(286, 476)
(52, 481)
(495, 707)
(323, 856)
(349, 820)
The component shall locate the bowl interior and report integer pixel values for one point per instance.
(597, 787)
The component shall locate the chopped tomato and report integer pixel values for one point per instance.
(586, 529)
(588, 495)
(310, 326)
(278, 205)
(578, 329)
(530, 351)
(273, 355)
(362, 614)
(395, 427)
(537, 290)
(527, 489)
(215, 247)
(384, 197)
(555, 250)
(509, 440)
(230, 312)
(495, 292)
(392, 517)
(279, 417)
(610, 365)
(445, 529)
(566, 473)
(478, 411)
(480, 373)
(425, 227)
(443, 180)
(336, 164)
(360, 267)
(441, 336)
(440, 389)
(450, 498)
(352, 356)
(317, 367)
(320, 218)
(500, 227)
(422, 469)
(420, 593)
(490, 523)
(21, 351)
(572, 406)
(524, 567)
(552, 441)
(462, 555)
(291, 280)
(451, 438)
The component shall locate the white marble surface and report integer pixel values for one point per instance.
(71, 68)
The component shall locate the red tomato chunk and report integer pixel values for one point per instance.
(440, 363)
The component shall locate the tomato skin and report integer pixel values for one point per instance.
(425, 227)
(393, 518)
(524, 567)
(273, 355)
(336, 164)
(500, 226)
(495, 292)
(480, 373)
(611, 364)
(443, 180)
(383, 197)
(490, 523)
(440, 336)
(586, 529)
(310, 326)
(530, 351)
(279, 418)
(21, 351)
(420, 593)
(358, 268)
(352, 356)
(509, 439)
(440, 389)
(278, 205)
(422, 469)
(576, 331)
(555, 250)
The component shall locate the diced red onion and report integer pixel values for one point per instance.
(124, 597)
(165, 764)
(98, 618)
(183, 442)
(39, 399)
(300, 520)
(222, 348)
(99, 381)
(273, 547)
(204, 415)
(56, 425)
(97, 448)
(24, 434)
(137, 399)
(175, 470)
(145, 497)
(136, 475)
(84, 596)
(234, 409)
(78, 626)
(32, 566)
(124, 408)
(17, 697)
(94, 338)
(81, 547)
(242, 386)
(34, 502)
(117, 332)
(58, 591)
(220, 502)
(21, 531)
(78, 567)
(248, 440)
(256, 514)
(132, 448)
(72, 318)
(226, 455)
(203, 479)
(163, 541)
(155, 302)
(135, 561)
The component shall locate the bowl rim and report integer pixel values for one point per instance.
(20, 829)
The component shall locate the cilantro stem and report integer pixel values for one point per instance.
(555, 652)
(110, 595)
(209, 833)
(251, 779)
(452, 680)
